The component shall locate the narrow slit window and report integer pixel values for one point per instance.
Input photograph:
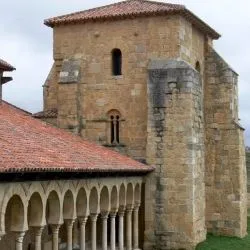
(116, 62)
(112, 127)
(198, 66)
(117, 128)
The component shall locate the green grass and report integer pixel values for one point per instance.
(226, 243)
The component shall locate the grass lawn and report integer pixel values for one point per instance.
(226, 243)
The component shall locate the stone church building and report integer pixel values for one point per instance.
(141, 78)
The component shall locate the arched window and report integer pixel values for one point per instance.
(116, 62)
(114, 126)
(198, 66)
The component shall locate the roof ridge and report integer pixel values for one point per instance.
(15, 107)
(114, 4)
(160, 3)
(82, 11)
(131, 9)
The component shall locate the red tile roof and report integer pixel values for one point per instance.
(6, 66)
(29, 145)
(131, 9)
(51, 113)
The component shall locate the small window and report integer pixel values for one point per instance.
(116, 62)
(114, 126)
(198, 66)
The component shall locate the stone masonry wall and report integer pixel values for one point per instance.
(50, 88)
(225, 174)
(171, 136)
(139, 40)
(175, 193)
(99, 91)
(192, 44)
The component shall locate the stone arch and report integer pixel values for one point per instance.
(54, 186)
(114, 198)
(53, 208)
(82, 203)
(16, 190)
(104, 199)
(137, 194)
(93, 201)
(68, 185)
(130, 194)
(36, 187)
(122, 195)
(36, 211)
(15, 214)
(68, 205)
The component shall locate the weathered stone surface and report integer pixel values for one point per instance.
(70, 71)
(225, 172)
(179, 197)
(179, 117)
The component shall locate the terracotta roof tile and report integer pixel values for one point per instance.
(51, 113)
(6, 66)
(128, 9)
(29, 145)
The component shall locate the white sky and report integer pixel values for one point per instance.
(27, 44)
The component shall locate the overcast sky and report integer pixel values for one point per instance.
(27, 44)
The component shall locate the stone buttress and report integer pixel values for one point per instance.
(225, 173)
(69, 96)
(175, 192)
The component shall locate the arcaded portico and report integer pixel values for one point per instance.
(79, 214)
(58, 191)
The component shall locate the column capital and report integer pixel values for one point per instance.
(55, 228)
(121, 210)
(104, 214)
(137, 206)
(129, 208)
(1, 235)
(19, 236)
(83, 220)
(113, 213)
(69, 222)
(38, 230)
(93, 217)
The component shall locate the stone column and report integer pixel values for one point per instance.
(121, 228)
(38, 235)
(136, 227)
(83, 221)
(19, 240)
(104, 230)
(75, 237)
(55, 232)
(129, 227)
(69, 228)
(112, 233)
(93, 218)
